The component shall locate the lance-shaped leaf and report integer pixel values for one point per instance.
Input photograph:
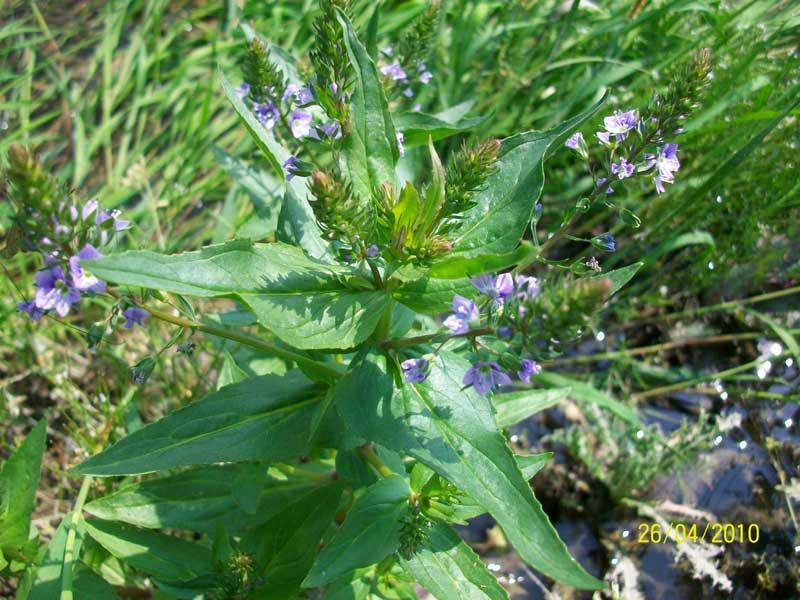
(297, 225)
(308, 304)
(284, 548)
(504, 205)
(450, 570)
(48, 576)
(455, 266)
(417, 127)
(296, 222)
(163, 556)
(18, 482)
(370, 146)
(431, 295)
(264, 191)
(514, 407)
(584, 392)
(272, 150)
(370, 532)
(453, 431)
(263, 418)
(619, 277)
(199, 498)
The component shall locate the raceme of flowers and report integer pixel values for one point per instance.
(62, 282)
(624, 161)
(505, 311)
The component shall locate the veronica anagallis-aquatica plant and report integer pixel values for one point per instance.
(409, 338)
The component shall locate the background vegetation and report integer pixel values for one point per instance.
(122, 100)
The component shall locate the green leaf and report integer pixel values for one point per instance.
(18, 482)
(270, 148)
(619, 277)
(230, 372)
(265, 194)
(286, 545)
(263, 418)
(308, 304)
(47, 578)
(453, 431)
(431, 295)
(517, 406)
(417, 127)
(453, 267)
(504, 206)
(89, 585)
(692, 238)
(370, 532)
(297, 225)
(450, 570)
(370, 144)
(163, 556)
(531, 464)
(587, 393)
(357, 586)
(786, 337)
(196, 499)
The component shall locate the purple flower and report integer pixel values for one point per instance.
(497, 289)
(331, 129)
(289, 92)
(243, 90)
(425, 77)
(394, 71)
(604, 137)
(84, 281)
(529, 367)
(134, 316)
(464, 311)
(601, 181)
(33, 311)
(104, 215)
(388, 50)
(505, 332)
(54, 291)
(527, 288)
(575, 140)
(90, 206)
(408, 93)
(623, 169)
(667, 163)
(619, 124)
(485, 377)
(607, 242)
(305, 96)
(400, 139)
(300, 123)
(373, 251)
(291, 165)
(417, 107)
(267, 114)
(415, 370)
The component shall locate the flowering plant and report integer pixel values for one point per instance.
(383, 426)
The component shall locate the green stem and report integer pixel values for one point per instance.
(715, 339)
(421, 339)
(368, 454)
(703, 378)
(247, 340)
(75, 518)
(306, 473)
(693, 312)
